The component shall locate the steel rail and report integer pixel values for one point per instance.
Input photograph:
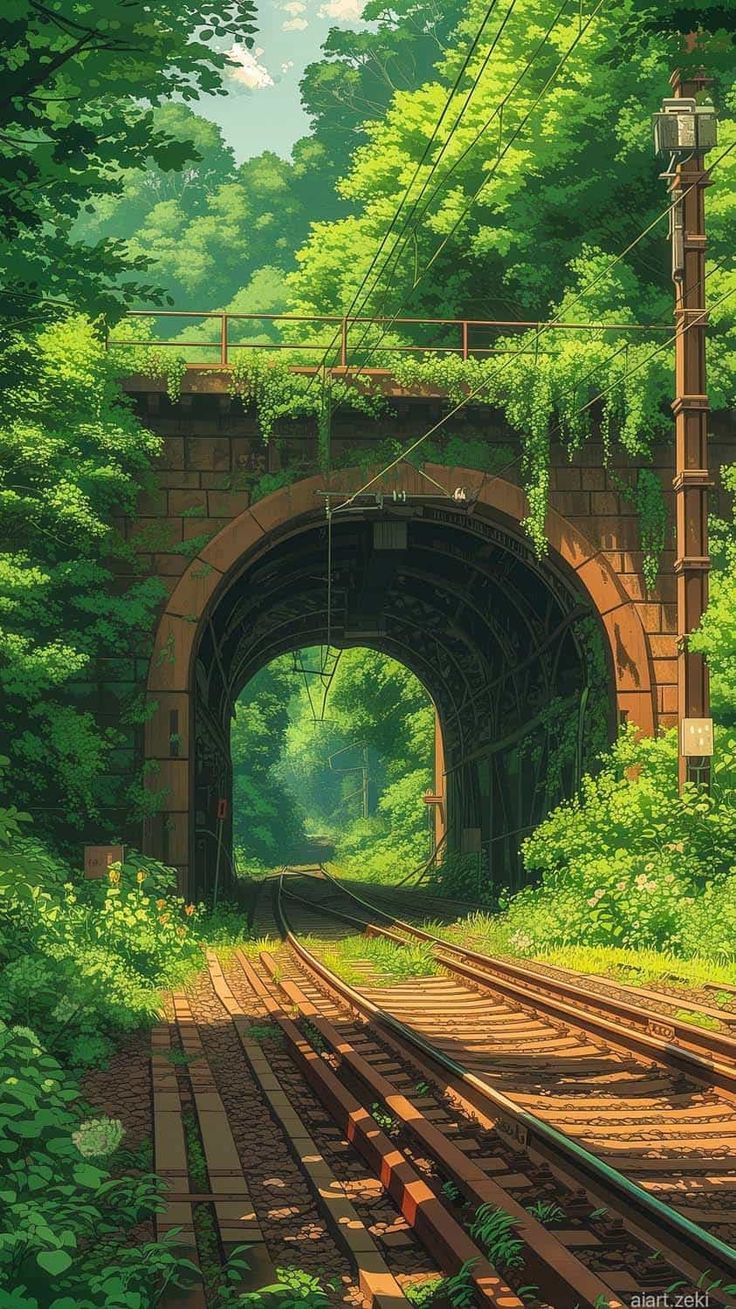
(564, 1155)
(525, 984)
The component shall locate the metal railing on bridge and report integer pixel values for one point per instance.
(467, 338)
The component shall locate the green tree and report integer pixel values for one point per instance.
(266, 824)
(71, 456)
(79, 86)
(543, 173)
(358, 73)
(373, 704)
(126, 212)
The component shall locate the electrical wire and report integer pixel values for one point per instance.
(475, 391)
(692, 322)
(425, 155)
(415, 204)
(491, 173)
(497, 113)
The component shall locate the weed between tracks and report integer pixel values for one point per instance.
(394, 962)
(485, 933)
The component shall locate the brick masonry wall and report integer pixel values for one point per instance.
(213, 455)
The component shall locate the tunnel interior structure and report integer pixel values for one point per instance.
(528, 661)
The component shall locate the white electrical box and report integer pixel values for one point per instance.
(696, 737)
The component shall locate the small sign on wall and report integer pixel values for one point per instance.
(696, 737)
(98, 858)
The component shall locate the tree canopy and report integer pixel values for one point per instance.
(305, 728)
(79, 87)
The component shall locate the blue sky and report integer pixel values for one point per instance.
(262, 110)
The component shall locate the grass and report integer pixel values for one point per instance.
(253, 946)
(698, 1020)
(488, 935)
(391, 962)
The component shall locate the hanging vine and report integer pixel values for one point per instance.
(553, 394)
(267, 381)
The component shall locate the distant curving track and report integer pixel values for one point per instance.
(621, 1104)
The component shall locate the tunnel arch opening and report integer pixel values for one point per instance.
(528, 661)
(333, 755)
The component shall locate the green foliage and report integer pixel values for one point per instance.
(293, 1289)
(374, 710)
(266, 380)
(633, 862)
(77, 113)
(71, 456)
(395, 962)
(495, 1229)
(292, 718)
(459, 1289)
(460, 877)
(83, 960)
(265, 825)
(546, 1211)
(716, 637)
(423, 1293)
(527, 228)
(63, 1220)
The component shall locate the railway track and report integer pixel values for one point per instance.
(652, 1108)
(434, 1128)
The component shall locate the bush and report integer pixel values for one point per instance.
(62, 1217)
(632, 862)
(83, 960)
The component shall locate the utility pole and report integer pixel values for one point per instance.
(684, 131)
(365, 781)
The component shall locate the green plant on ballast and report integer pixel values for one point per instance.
(457, 1290)
(315, 1037)
(385, 1120)
(264, 1032)
(495, 1229)
(546, 1211)
(293, 1289)
(397, 962)
(452, 1193)
(420, 1294)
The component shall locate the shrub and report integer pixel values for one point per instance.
(631, 861)
(85, 960)
(460, 877)
(63, 1218)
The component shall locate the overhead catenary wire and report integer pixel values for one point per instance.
(476, 390)
(425, 155)
(490, 174)
(497, 113)
(409, 219)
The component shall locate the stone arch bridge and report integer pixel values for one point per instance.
(519, 655)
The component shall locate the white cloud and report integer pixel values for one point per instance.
(254, 75)
(294, 7)
(287, 67)
(294, 25)
(345, 11)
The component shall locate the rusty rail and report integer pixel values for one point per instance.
(464, 347)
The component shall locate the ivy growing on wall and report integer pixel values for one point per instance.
(267, 381)
(580, 386)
